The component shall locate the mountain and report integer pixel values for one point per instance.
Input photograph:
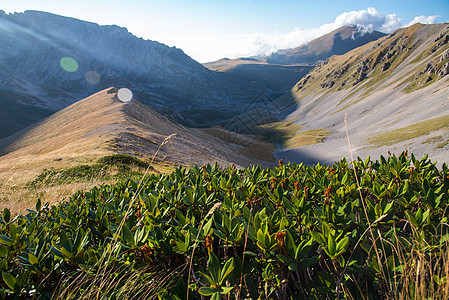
(336, 42)
(279, 78)
(100, 125)
(281, 70)
(394, 92)
(49, 62)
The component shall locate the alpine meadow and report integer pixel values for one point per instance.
(315, 167)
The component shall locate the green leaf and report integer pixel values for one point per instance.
(226, 289)
(226, 271)
(331, 245)
(6, 215)
(216, 296)
(419, 216)
(425, 216)
(6, 240)
(9, 280)
(66, 253)
(3, 251)
(309, 261)
(38, 205)
(207, 291)
(213, 265)
(284, 259)
(319, 237)
(293, 267)
(33, 259)
(345, 179)
(378, 210)
(127, 235)
(342, 245)
(206, 277)
(388, 207)
(56, 251)
(303, 249)
(208, 227)
(65, 241)
(411, 218)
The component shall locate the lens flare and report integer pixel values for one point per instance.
(124, 95)
(69, 64)
(92, 77)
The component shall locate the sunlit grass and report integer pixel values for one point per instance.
(388, 138)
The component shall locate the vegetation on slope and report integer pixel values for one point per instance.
(116, 166)
(367, 68)
(293, 231)
(409, 132)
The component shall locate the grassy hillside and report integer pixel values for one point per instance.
(381, 93)
(66, 147)
(368, 229)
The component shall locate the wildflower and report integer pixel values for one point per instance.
(297, 186)
(328, 192)
(209, 241)
(280, 238)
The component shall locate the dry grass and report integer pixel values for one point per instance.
(309, 137)
(409, 132)
(425, 274)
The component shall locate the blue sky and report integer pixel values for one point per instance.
(211, 29)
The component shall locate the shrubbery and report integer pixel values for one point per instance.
(292, 232)
(122, 164)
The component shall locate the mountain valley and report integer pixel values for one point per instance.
(388, 92)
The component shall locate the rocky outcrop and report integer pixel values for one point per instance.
(444, 70)
(362, 71)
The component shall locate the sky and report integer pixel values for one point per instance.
(208, 30)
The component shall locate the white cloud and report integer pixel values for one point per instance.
(370, 19)
(209, 48)
(423, 20)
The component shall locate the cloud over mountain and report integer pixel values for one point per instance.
(208, 48)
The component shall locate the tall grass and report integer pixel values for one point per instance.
(425, 270)
(126, 281)
(422, 271)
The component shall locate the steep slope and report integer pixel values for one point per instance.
(336, 42)
(281, 70)
(49, 61)
(279, 78)
(394, 92)
(100, 125)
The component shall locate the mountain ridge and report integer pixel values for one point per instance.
(336, 42)
(101, 125)
(393, 92)
(54, 61)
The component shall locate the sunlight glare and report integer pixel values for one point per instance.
(124, 95)
(92, 77)
(69, 64)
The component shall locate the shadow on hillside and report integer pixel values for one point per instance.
(265, 119)
(274, 77)
(299, 155)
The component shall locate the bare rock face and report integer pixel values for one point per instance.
(328, 84)
(444, 70)
(362, 71)
(385, 66)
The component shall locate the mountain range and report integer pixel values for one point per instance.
(50, 61)
(101, 125)
(393, 92)
(387, 92)
(337, 42)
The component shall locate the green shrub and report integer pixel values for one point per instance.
(293, 232)
(122, 164)
(123, 159)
